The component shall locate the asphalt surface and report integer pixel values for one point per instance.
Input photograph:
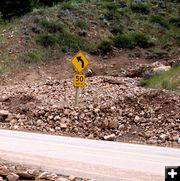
(99, 160)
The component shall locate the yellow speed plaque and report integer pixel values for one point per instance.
(79, 80)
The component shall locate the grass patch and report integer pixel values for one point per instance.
(169, 80)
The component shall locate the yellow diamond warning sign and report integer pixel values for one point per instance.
(80, 61)
(79, 80)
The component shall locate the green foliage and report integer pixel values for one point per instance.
(65, 40)
(111, 11)
(67, 5)
(159, 20)
(111, 6)
(47, 40)
(116, 27)
(141, 8)
(175, 21)
(178, 39)
(48, 2)
(123, 41)
(141, 40)
(169, 85)
(105, 46)
(167, 80)
(13, 8)
(69, 41)
(83, 25)
(10, 8)
(3, 69)
(32, 57)
(132, 39)
(52, 27)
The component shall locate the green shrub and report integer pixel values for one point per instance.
(49, 2)
(67, 5)
(175, 21)
(69, 41)
(111, 11)
(116, 27)
(83, 25)
(178, 39)
(141, 40)
(132, 39)
(159, 20)
(105, 46)
(111, 6)
(47, 40)
(52, 27)
(123, 41)
(140, 8)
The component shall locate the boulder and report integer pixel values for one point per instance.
(4, 115)
(113, 124)
(111, 137)
(12, 177)
(4, 171)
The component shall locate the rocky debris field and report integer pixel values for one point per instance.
(110, 108)
(15, 172)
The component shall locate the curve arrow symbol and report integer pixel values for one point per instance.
(79, 59)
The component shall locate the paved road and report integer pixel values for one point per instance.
(100, 160)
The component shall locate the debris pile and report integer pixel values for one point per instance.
(110, 108)
(15, 172)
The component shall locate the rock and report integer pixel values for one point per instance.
(163, 137)
(178, 140)
(121, 127)
(96, 110)
(4, 171)
(175, 138)
(71, 178)
(1, 179)
(161, 69)
(39, 122)
(47, 176)
(105, 123)
(62, 179)
(28, 174)
(15, 127)
(113, 124)
(136, 119)
(4, 113)
(63, 125)
(110, 137)
(91, 136)
(12, 177)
